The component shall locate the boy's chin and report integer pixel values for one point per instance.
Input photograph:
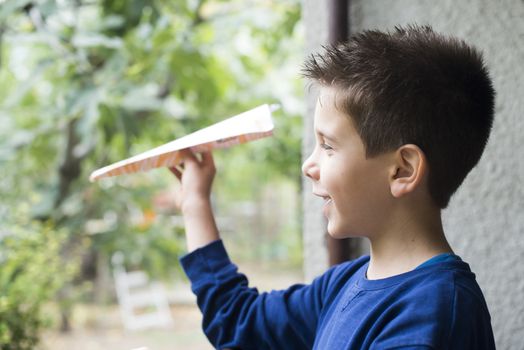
(341, 232)
(337, 233)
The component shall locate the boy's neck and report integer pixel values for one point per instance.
(408, 241)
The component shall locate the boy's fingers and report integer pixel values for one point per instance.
(207, 158)
(176, 172)
(187, 154)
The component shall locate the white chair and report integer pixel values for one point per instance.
(143, 304)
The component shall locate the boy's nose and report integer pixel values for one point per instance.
(310, 168)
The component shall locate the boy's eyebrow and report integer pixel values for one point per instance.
(325, 135)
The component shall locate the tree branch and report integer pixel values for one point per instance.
(70, 168)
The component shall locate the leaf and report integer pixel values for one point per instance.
(112, 22)
(9, 7)
(22, 89)
(142, 99)
(95, 40)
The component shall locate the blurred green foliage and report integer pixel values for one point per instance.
(87, 83)
(31, 272)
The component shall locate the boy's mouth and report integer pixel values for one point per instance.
(327, 199)
(327, 203)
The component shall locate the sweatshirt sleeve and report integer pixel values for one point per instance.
(236, 316)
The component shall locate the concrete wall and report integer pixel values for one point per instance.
(315, 251)
(485, 219)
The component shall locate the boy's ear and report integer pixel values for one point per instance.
(408, 170)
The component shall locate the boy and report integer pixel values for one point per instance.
(401, 118)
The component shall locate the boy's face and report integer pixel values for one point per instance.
(355, 189)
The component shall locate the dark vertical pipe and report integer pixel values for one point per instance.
(338, 25)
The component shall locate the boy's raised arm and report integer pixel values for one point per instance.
(235, 315)
(196, 178)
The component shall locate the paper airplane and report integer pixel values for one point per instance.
(251, 125)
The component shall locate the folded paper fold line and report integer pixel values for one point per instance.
(250, 125)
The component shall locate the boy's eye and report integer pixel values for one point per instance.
(326, 146)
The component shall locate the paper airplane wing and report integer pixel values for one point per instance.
(251, 125)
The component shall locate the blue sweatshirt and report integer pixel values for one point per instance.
(436, 306)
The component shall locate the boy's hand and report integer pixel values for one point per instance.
(196, 178)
